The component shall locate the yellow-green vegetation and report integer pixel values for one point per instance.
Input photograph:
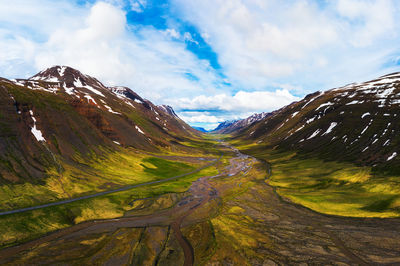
(21, 227)
(112, 170)
(202, 239)
(236, 233)
(332, 187)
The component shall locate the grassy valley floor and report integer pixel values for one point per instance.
(331, 187)
(228, 215)
(112, 171)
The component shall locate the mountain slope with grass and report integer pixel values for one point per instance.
(64, 133)
(335, 151)
(357, 123)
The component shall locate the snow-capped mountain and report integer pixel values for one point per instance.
(236, 125)
(64, 112)
(359, 122)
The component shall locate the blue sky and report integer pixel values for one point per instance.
(212, 60)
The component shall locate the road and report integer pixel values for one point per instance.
(108, 191)
(200, 193)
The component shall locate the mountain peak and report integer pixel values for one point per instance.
(68, 78)
(55, 73)
(68, 75)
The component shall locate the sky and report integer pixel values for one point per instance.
(211, 60)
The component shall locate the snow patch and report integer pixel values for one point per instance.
(300, 128)
(78, 84)
(365, 129)
(90, 98)
(310, 101)
(316, 132)
(354, 102)
(111, 110)
(394, 154)
(310, 120)
(61, 71)
(329, 130)
(138, 129)
(94, 90)
(385, 93)
(395, 101)
(17, 82)
(129, 103)
(69, 91)
(50, 79)
(36, 132)
(323, 105)
(365, 114)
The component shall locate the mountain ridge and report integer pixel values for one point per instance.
(62, 112)
(231, 126)
(357, 122)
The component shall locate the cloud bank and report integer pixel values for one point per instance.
(210, 59)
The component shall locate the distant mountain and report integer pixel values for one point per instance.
(236, 125)
(358, 123)
(63, 112)
(223, 125)
(201, 129)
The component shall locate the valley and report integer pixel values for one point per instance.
(231, 217)
(200, 133)
(98, 175)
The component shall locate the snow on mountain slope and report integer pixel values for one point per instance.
(358, 122)
(62, 111)
(236, 125)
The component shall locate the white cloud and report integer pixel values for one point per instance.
(222, 107)
(370, 19)
(188, 37)
(173, 33)
(201, 118)
(260, 42)
(296, 46)
(97, 40)
(138, 5)
(241, 102)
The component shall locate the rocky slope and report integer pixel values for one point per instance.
(358, 123)
(64, 113)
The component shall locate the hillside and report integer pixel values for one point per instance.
(118, 180)
(357, 123)
(335, 151)
(62, 131)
